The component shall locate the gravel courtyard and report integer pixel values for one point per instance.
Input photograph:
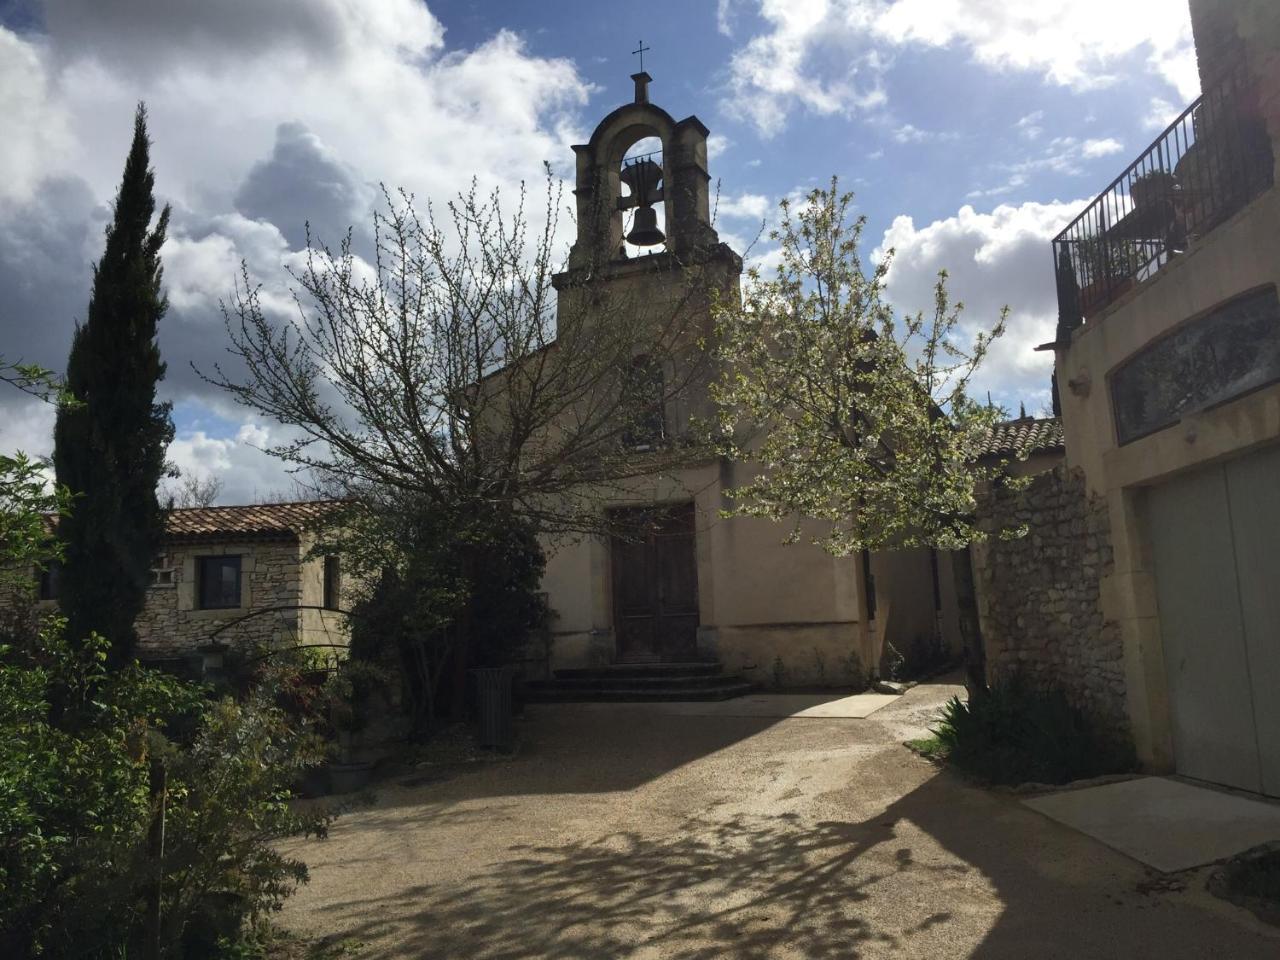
(630, 831)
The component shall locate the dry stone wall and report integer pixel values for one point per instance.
(271, 576)
(1039, 596)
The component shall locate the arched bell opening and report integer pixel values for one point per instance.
(639, 194)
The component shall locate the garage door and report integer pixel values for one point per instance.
(1215, 535)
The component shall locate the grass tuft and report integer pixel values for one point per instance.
(1021, 732)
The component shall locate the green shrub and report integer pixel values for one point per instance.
(1021, 732)
(77, 742)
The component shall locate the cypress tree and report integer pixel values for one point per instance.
(110, 443)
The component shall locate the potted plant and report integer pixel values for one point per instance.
(348, 692)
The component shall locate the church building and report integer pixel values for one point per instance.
(699, 588)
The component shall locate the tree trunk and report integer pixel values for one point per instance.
(975, 657)
(462, 648)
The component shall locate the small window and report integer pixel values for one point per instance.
(50, 578)
(644, 391)
(218, 582)
(332, 583)
(162, 572)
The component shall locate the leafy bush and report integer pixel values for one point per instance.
(77, 742)
(1020, 732)
(444, 588)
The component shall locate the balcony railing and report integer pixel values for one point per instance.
(1206, 166)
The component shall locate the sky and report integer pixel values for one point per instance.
(971, 132)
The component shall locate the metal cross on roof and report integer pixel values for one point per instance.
(641, 50)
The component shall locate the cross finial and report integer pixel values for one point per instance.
(641, 50)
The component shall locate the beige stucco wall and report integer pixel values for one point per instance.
(1240, 255)
(760, 600)
(905, 611)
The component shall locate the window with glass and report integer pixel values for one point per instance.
(218, 582)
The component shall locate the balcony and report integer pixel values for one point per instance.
(1209, 164)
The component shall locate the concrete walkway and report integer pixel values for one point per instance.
(644, 833)
(1168, 824)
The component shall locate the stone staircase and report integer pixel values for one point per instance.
(637, 682)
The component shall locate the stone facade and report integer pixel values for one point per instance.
(282, 595)
(1039, 595)
(171, 625)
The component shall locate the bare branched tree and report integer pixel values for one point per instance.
(465, 368)
(468, 376)
(196, 491)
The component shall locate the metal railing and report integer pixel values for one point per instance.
(1206, 166)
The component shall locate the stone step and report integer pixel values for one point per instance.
(615, 671)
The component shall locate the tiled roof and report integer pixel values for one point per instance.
(1023, 437)
(268, 520)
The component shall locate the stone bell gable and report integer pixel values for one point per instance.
(683, 191)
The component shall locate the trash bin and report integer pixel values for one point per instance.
(493, 701)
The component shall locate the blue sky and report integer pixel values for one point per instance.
(971, 130)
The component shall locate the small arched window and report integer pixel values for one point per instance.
(642, 404)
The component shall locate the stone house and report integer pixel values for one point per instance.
(240, 576)
(1167, 370)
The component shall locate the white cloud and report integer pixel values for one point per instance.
(746, 206)
(827, 55)
(260, 119)
(1160, 114)
(248, 473)
(994, 259)
(1065, 156)
(1072, 44)
(1100, 148)
(774, 71)
(717, 144)
(35, 125)
(27, 425)
(909, 133)
(724, 17)
(1030, 126)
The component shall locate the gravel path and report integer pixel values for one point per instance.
(630, 832)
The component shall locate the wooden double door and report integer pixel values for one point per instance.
(655, 585)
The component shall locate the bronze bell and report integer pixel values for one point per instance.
(644, 229)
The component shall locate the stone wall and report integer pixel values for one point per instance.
(1038, 595)
(271, 576)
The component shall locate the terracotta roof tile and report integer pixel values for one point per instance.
(1023, 437)
(255, 520)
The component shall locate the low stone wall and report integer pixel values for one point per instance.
(1038, 595)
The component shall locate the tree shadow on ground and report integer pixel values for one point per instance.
(1001, 888)
(744, 887)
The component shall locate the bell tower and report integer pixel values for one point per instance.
(619, 195)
